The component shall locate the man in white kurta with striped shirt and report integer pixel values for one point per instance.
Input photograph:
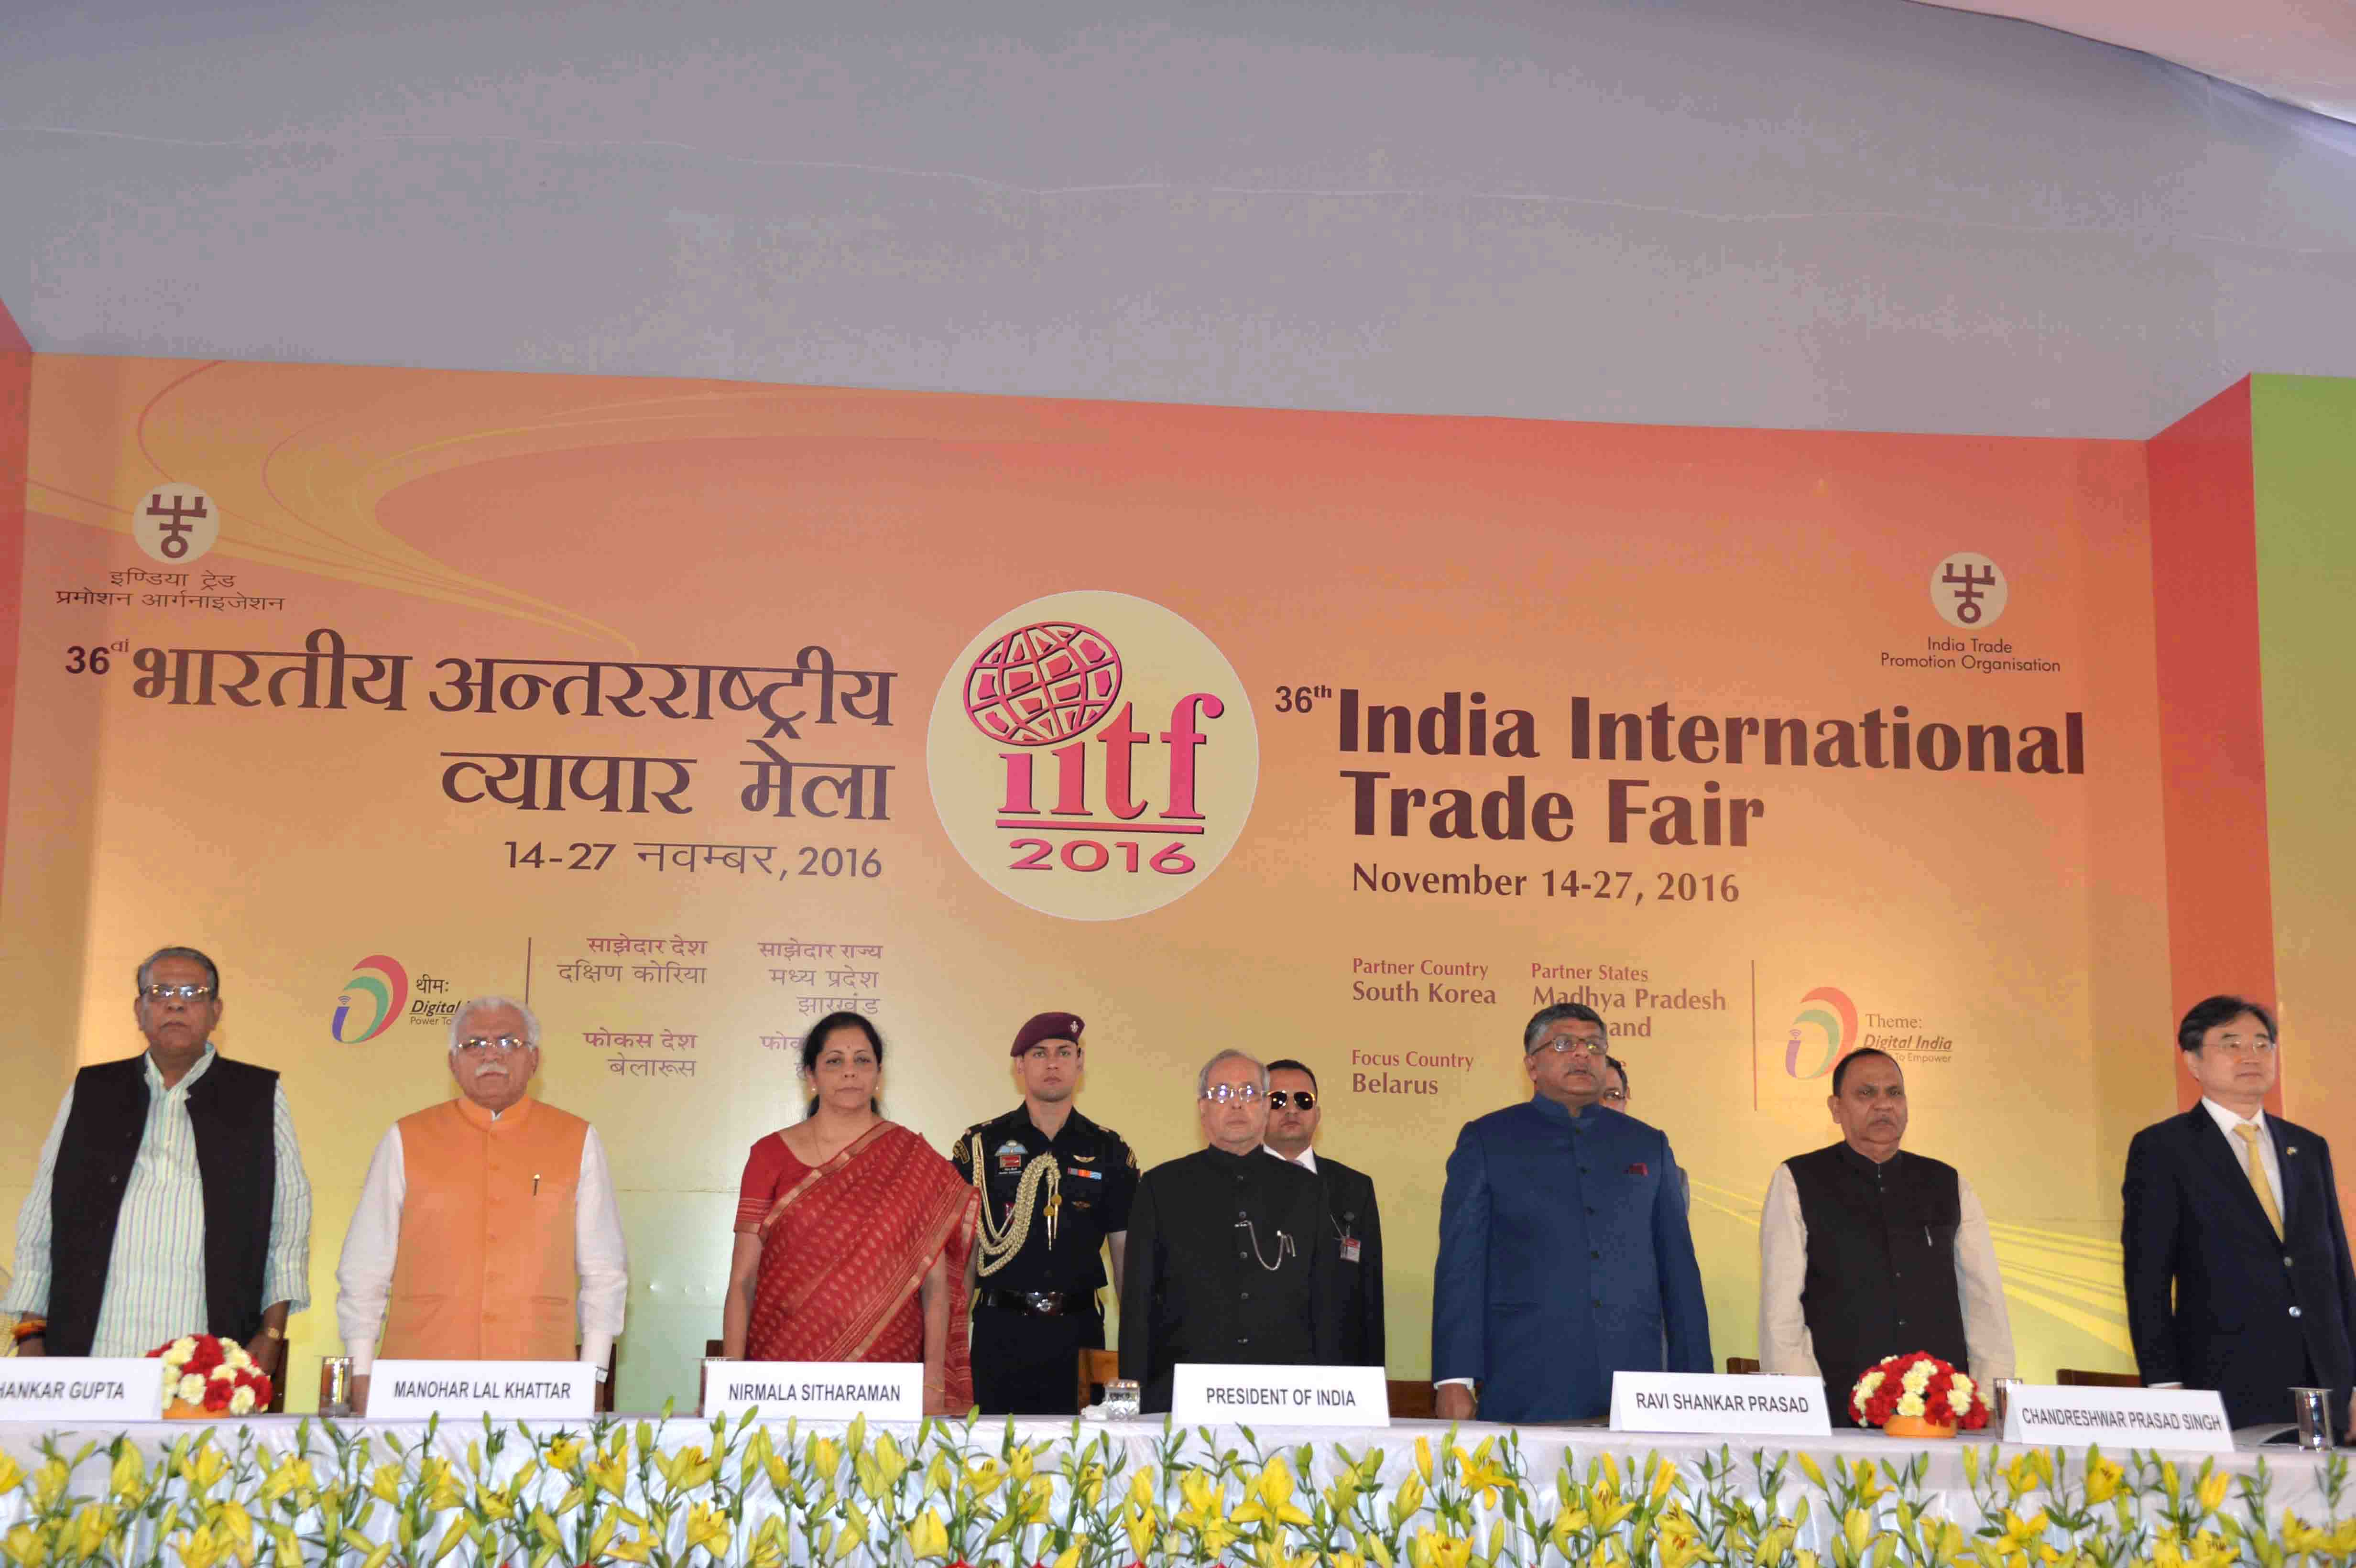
(170, 1197)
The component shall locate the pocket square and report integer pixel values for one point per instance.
(1639, 1169)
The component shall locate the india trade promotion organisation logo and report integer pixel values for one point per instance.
(1093, 755)
(370, 1000)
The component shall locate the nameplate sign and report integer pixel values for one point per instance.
(2046, 1415)
(542, 1390)
(1289, 1396)
(1709, 1402)
(81, 1387)
(818, 1391)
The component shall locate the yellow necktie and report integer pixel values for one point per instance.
(2248, 1133)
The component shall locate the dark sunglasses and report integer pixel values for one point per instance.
(1301, 1100)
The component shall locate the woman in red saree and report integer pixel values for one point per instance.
(852, 1233)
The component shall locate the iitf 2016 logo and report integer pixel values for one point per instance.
(371, 999)
(1093, 755)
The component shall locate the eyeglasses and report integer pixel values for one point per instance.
(1300, 1101)
(2257, 1046)
(505, 1045)
(183, 993)
(1563, 1044)
(1224, 1094)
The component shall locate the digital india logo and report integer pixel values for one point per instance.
(1823, 1031)
(371, 999)
(1093, 755)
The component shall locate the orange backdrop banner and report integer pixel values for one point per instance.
(698, 710)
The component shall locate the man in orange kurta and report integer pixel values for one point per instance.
(487, 1229)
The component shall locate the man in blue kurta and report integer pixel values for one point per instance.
(1564, 1253)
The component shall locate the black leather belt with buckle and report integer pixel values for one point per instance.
(1039, 1303)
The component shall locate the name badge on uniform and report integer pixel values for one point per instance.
(1349, 1249)
(1009, 1157)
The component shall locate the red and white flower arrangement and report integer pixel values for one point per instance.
(1921, 1388)
(211, 1376)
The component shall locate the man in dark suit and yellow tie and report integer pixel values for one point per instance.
(2237, 1266)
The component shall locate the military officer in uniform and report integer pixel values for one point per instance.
(1055, 1190)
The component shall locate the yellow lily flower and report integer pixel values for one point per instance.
(1406, 1501)
(638, 1549)
(1680, 1544)
(1856, 1529)
(385, 1484)
(1485, 1477)
(768, 1550)
(25, 1546)
(1430, 1548)
(1376, 1548)
(1568, 1521)
(928, 1537)
(49, 1485)
(1070, 1556)
(981, 1476)
(565, 1454)
(201, 1547)
(1269, 1500)
(708, 1528)
(1141, 1485)
(1345, 1560)
(824, 1456)
(1139, 1522)
(1611, 1473)
(610, 1475)
(689, 1471)
(890, 1462)
(1090, 1482)
(2103, 1477)
(1810, 1468)
(1022, 1462)
(91, 1527)
(1663, 1477)
(1269, 1554)
(12, 1474)
(2211, 1492)
(2022, 1475)
(1870, 1488)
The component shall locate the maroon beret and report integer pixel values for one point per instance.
(1048, 1026)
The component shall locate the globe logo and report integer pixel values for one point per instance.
(1042, 683)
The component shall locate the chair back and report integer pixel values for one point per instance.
(1743, 1365)
(1412, 1399)
(2072, 1376)
(1096, 1369)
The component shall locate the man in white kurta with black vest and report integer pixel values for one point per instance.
(1865, 1250)
(170, 1197)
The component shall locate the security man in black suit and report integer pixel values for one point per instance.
(1354, 1232)
(2237, 1267)
(1055, 1190)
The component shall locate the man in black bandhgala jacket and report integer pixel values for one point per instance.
(1223, 1264)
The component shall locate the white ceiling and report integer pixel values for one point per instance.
(2300, 51)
